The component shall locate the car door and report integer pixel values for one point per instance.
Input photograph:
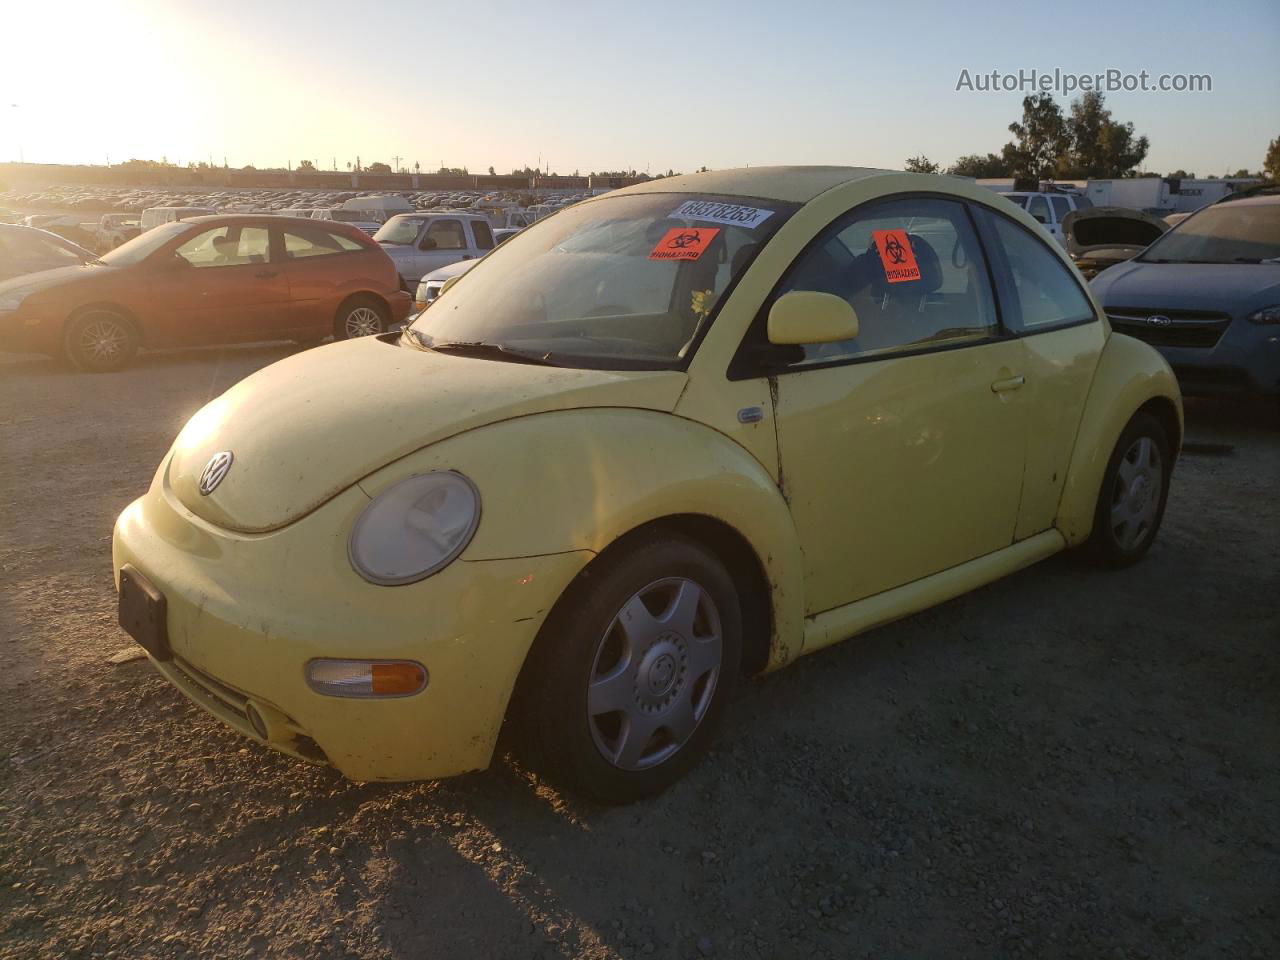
(220, 284)
(1042, 213)
(901, 450)
(443, 241)
(1044, 304)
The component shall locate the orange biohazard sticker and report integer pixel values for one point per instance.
(896, 255)
(684, 243)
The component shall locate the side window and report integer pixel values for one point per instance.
(1045, 293)
(1060, 208)
(228, 246)
(301, 242)
(945, 299)
(447, 234)
(484, 236)
(1038, 207)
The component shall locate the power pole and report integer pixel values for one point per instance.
(396, 160)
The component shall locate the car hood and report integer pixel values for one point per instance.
(452, 270)
(1110, 228)
(1233, 288)
(305, 429)
(30, 283)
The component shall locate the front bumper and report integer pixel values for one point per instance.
(21, 331)
(246, 613)
(1243, 360)
(401, 305)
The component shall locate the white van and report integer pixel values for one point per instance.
(380, 209)
(155, 216)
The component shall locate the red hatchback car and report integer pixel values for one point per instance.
(207, 280)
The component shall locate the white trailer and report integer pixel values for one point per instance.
(1150, 194)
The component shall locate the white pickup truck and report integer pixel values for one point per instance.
(422, 242)
(1050, 209)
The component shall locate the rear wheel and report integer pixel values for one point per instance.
(360, 317)
(632, 672)
(100, 340)
(1134, 491)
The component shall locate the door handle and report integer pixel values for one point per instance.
(1004, 386)
(265, 274)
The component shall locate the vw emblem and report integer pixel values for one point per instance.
(214, 471)
(1159, 320)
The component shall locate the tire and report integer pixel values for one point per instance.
(1135, 489)
(100, 340)
(638, 631)
(360, 317)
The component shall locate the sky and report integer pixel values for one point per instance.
(610, 86)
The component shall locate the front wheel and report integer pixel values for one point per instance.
(1135, 488)
(97, 341)
(360, 317)
(632, 672)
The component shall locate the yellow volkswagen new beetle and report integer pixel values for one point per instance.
(674, 435)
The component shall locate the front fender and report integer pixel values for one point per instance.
(1130, 374)
(580, 479)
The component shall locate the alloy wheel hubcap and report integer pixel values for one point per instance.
(103, 338)
(363, 321)
(654, 673)
(1136, 497)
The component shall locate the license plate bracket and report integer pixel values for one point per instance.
(143, 612)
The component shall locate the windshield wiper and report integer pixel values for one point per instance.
(493, 351)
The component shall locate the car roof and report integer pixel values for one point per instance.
(794, 184)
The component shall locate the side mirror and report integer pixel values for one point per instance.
(427, 243)
(175, 262)
(803, 316)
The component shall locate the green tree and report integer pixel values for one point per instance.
(306, 166)
(1041, 138)
(378, 168)
(975, 165)
(1271, 163)
(1180, 174)
(920, 164)
(1099, 146)
(491, 173)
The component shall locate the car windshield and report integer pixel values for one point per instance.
(347, 216)
(623, 282)
(143, 245)
(399, 230)
(1239, 231)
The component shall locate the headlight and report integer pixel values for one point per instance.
(1266, 315)
(415, 528)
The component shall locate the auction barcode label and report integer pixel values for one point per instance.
(726, 213)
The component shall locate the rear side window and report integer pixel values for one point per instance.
(1045, 295)
(1060, 208)
(1038, 207)
(301, 242)
(484, 236)
(935, 294)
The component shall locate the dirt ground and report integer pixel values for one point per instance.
(1068, 763)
